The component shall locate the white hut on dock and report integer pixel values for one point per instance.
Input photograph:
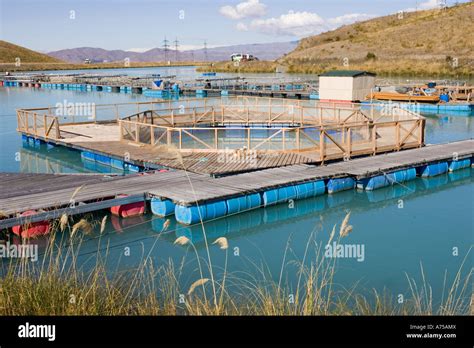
(345, 85)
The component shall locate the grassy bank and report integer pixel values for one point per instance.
(57, 285)
(69, 66)
(404, 67)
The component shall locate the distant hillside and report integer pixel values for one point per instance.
(267, 51)
(9, 52)
(439, 40)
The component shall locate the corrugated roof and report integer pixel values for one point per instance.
(347, 73)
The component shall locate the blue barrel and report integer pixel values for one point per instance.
(254, 200)
(444, 98)
(236, 205)
(304, 190)
(456, 165)
(336, 185)
(286, 193)
(190, 215)
(88, 156)
(397, 177)
(410, 174)
(115, 163)
(270, 197)
(102, 159)
(161, 207)
(215, 210)
(310, 189)
(434, 169)
(377, 182)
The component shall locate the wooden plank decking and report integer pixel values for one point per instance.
(21, 192)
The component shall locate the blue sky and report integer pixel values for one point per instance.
(47, 25)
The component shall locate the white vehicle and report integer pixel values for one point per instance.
(238, 57)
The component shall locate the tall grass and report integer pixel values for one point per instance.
(59, 285)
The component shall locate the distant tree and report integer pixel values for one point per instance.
(370, 56)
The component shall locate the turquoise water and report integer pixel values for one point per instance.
(437, 214)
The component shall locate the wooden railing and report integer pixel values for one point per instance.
(326, 142)
(37, 124)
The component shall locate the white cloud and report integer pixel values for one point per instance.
(139, 49)
(427, 5)
(301, 24)
(249, 8)
(292, 23)
(430, 4)
(349, 18)
(242, 27)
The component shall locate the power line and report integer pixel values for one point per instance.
(176, 45)
(205, 51)
(166, 47)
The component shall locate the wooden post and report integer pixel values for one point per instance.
(248, 138)
(137, 135)
(45, 125)
(180, 138)
(34, 123)
(216, 139)
(374, 139)
(322, 146)
(298, 143)
(58, 134)
(194, 117)
(349, 141)
(397, 136)
(421, 124)
(283, 139)
(152, 135)
(94, 113)
(172, 117)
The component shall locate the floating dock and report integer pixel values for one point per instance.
(193, 196)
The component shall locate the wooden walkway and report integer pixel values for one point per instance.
(74, 194)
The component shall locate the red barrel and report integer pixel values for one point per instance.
(30, 230)
(128, 210)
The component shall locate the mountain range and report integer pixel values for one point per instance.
(263, 51)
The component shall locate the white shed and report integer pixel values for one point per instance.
(345, 85)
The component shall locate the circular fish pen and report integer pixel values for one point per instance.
(242, 125)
